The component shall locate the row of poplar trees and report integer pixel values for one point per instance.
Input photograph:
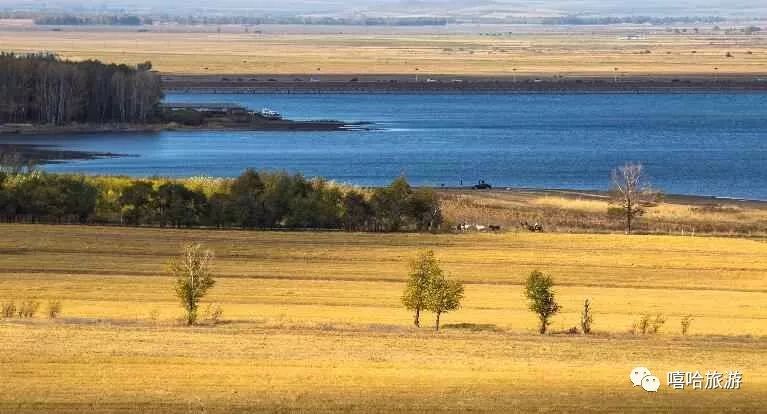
(43, 89)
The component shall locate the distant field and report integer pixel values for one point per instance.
(561, 53)
(313, 322)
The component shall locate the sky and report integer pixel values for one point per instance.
(730, 8)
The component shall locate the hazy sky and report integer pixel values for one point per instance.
(749, 8)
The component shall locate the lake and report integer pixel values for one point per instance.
(708, 144)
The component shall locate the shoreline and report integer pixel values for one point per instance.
(10, 130)
(269, 84)
(596, 194)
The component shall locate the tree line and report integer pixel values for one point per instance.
(94, 20)
(254, 200)
(41, 88)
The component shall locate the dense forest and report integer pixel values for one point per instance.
(252, 200)
(41, 88)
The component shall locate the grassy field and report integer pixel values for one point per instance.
(574, 53)
(312, 322)
(578, 211)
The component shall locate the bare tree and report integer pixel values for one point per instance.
(630, 193)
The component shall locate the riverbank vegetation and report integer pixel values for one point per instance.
(44, 89)
(252, 200)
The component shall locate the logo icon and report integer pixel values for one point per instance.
(641, 376)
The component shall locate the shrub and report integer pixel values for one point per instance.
(641, 326)
(54, 309)
(657, 323)
(154, 315)
(28, 308)
(8, 309)
(648, 324)
(686, 321)
(213, 313)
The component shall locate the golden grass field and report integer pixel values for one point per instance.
(578, 211)
(562, 53)
(312, 323)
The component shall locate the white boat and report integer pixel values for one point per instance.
(270, 114)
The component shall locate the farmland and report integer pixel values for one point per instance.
(312, 321)
(606, 53)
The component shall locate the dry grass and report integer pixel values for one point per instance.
(565, 211)
(313, 322)
(580, 53)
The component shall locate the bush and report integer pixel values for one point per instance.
(28, 308)
(54, 309)
(154, 315)
(686, 321)
(648, 325)
(213, 313)
(657, 323)
(8, 309)
(641, 326)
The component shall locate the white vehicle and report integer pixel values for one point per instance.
(270, 114)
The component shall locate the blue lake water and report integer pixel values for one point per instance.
(711, 144)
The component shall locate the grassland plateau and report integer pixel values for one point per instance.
(489, 57)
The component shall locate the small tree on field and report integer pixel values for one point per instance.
(630, 194)
(443, 296)
(586, 317)
(423, 269)
(193, 278)
(538, 290)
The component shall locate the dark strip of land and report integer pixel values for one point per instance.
(30, 154)
(445, 83)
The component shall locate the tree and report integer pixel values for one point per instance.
(136, 202)
(423, 269)
(538, 290)
(425, 210)
(179, 206)
(391, 204)
(587, 317)
(193, 278)
(356, 211)
(630, 194)
(247, 206)
(443, 295)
